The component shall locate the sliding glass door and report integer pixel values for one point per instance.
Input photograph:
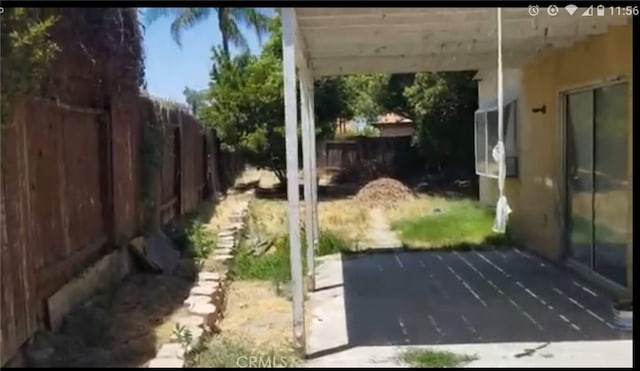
(598, 179)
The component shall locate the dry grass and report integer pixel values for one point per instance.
(344, 217)
(257, 323)
(256, 311)
(415, 208)
(269, 215)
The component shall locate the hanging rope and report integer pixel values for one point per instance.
(502, 207)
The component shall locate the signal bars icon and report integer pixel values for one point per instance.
(588, 12)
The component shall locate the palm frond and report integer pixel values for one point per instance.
(234, 35)
(186, 19)
(153, 14)
(254, 18)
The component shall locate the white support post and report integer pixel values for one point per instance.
(308, 188)
(293, 192)
(314, 170)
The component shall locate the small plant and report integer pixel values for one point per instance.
(201, 241)
(331, 243)
(183, 335)
(273, 266)
(429, 358)
(242, 353)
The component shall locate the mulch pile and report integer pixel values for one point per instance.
(384, 193)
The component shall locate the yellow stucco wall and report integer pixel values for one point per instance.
(536, 195)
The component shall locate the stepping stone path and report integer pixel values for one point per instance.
(380, 234)
(206, 301)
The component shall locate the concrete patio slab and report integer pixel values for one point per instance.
(587, 354)
(477, 297)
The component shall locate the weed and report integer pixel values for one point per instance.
(428, 358)
(332, 242)
(201, 241)
(242, 353)
(273, 266)
(184, 336)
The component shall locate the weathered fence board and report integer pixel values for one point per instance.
(363, 158)
(71, 188)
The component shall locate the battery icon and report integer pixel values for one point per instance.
(600, 11)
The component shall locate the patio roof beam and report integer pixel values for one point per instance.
(451, 32)
(434, 21)
(355, 13)
(405, 21)
(410, 64)
(302, 52)
(442, 49)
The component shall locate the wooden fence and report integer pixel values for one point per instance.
(71, 192)
(364, 158)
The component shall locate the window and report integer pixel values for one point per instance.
(486, 136)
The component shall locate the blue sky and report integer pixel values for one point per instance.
(170, 68)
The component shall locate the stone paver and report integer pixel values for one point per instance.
(203, 309)
(170, 350)
(191, 320)
(165, 363)
(226, 234)
(225, 245)
(203, 297)
(224, 251)
(205, 288)
(210, 276)
(223, 258)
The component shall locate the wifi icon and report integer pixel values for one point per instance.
(571, 9)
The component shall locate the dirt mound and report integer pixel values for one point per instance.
(384, 192)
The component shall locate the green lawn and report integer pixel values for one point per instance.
(437, 222)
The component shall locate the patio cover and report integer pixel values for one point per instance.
(342, 41)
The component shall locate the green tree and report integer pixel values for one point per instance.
(246, 103)
(229, 21)
(26, 50)
(443, 106)
(365, 95)
(195, 99)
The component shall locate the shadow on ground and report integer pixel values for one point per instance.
(118, 327)
(124, 324)
(325, 192)
(463, 296)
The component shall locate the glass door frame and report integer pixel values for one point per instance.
(587, 272)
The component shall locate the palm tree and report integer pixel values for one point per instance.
(228, 21)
